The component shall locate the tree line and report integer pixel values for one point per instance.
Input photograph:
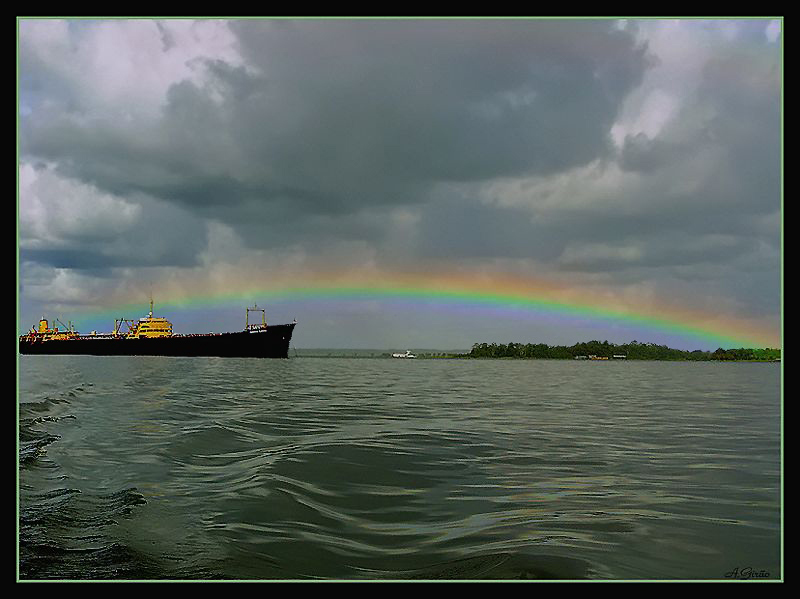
(603, 349)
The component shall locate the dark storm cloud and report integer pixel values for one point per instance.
(371, 105)
(335, 118)
(147, 248)
(705, 189)
(460, 226)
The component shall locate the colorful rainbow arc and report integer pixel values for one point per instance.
(509, 297)
(512, 302)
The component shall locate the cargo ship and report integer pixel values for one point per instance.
(153, 336)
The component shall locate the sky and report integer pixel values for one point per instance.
(405, 183)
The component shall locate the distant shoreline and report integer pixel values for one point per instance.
(587, 351)
(466, 356)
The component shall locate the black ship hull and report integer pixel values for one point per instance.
(268, 342)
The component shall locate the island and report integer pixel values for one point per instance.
(603, 350)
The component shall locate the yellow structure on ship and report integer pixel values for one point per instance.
(149, 326)
(45, 332)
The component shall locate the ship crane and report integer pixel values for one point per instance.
(118, 322)
(251, 327)
(67, 327)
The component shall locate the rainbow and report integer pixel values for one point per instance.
(510, 296)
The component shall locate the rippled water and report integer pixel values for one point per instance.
(337, 468)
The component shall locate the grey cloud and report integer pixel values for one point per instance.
(398, 101)
(159, 235)
(670, 249)
(344, 115)
(712, 173)
(641, 153)
(458, 226)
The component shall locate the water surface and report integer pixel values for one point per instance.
(320, 468)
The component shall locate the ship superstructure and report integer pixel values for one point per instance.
(43, 331)
(146, 327)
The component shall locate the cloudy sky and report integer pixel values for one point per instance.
(636, 163)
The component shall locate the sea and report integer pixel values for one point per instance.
(335, 467)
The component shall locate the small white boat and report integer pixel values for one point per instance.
(408, 354)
